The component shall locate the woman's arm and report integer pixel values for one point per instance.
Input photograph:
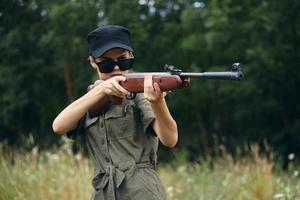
(68, 119)
(164, 125)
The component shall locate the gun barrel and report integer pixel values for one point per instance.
(215, 75)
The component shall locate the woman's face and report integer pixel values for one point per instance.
(114, 54)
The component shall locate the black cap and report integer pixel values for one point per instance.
(107, 37)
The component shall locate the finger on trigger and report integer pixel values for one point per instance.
(121, 89)
(115, 91)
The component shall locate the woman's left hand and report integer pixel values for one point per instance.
(152, 91)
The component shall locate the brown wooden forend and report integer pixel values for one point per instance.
(166, 83)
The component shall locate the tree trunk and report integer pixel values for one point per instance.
(67, 71)
(204, 134)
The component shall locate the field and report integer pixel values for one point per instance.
(57, 174)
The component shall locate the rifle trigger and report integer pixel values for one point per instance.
(130, 96)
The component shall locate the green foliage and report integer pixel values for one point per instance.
(43, 66)
(37, 52)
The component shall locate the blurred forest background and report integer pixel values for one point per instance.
(43, 67)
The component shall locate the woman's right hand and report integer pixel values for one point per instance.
(112, 87)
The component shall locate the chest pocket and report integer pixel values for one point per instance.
(90, 121)
(120, 121)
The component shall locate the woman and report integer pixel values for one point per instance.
(122, 139)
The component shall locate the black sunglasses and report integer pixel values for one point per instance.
(108, 65)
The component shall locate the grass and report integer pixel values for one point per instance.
(58, 174)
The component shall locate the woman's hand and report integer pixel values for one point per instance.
(152, 91)
(112, 86)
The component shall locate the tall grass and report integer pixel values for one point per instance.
(59, 175)
(47, 175)
(249, 178)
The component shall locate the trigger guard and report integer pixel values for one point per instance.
(130, 96)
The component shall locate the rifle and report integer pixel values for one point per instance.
(172, 79)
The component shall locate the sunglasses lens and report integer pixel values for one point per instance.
(106, 66)
(125, 64)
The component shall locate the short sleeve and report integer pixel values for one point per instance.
(73, 134)
(146, 113)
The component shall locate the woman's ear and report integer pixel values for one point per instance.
(92, 62)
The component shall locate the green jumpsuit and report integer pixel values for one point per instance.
(123, 147)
